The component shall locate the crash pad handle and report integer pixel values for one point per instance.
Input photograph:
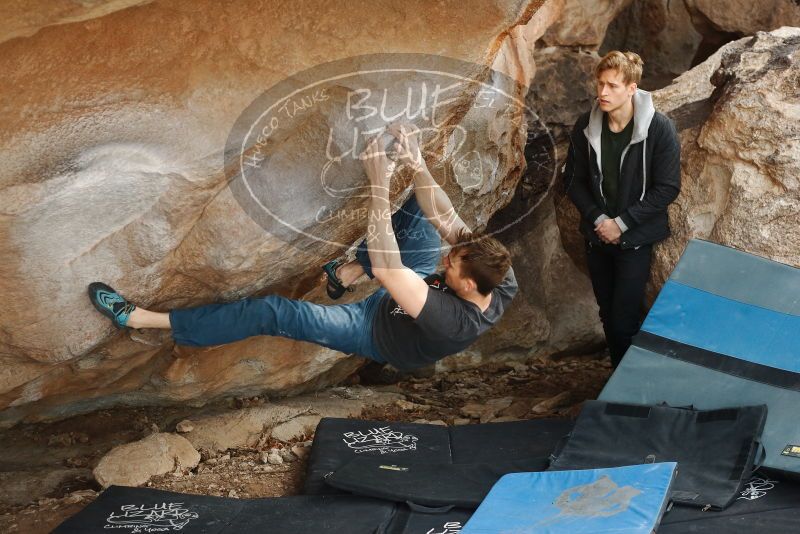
(559, 447)
(429, 509)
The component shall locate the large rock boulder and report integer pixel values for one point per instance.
(135, 463)
(740, 140)
(114, 169)
(673, 37)
(662, 33)
(742, 17)
(584, 22)
(242, 428)
(563, 87)
(246, 427)
(23, 18)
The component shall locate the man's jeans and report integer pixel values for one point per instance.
(344, 327)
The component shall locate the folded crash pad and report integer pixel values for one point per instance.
(715, 449)
(722, 332)
(123, 509)
(622, 500)
(338, 441)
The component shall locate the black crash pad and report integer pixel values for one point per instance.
(141, 510)
(714, 449)
(421, 521)
(338, 441)
(763, 505)
(512, 440)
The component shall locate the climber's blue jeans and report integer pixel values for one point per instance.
(343, 327)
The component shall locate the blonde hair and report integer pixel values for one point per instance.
(627, 63)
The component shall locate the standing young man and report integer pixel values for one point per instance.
(415, 319)
(623, 170)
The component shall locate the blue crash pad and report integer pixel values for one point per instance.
(723, 332)
(622, 500)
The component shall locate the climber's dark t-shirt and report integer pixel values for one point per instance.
(447, 323)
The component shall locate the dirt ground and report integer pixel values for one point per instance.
(496, 392)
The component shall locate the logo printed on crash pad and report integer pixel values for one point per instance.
(791, 450)
(393, 467)
(601, 498)
(383, 440)
(451, 527)
(757, 488)
(151, 518)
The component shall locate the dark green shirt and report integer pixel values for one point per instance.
(611, 147)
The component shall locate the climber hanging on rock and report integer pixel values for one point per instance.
(417, 317)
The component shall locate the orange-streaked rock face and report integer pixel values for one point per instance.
(115, 119)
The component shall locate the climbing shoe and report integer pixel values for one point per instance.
(111, 304)
(335, 288)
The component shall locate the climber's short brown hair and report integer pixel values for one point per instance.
(483, 258)
(629, 64)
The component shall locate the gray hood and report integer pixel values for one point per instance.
(643, 111)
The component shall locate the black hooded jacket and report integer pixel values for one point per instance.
(649, 180)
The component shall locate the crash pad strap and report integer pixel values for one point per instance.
(718, 362)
